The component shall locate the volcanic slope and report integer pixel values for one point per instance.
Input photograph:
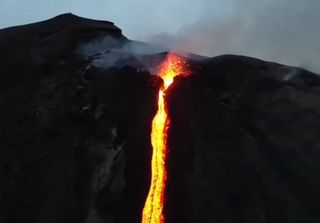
(75, 132)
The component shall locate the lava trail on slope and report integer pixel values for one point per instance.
(153, 209)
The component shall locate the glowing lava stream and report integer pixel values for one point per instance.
(153, 209)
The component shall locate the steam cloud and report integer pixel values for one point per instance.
(285, 31)
(110, 52)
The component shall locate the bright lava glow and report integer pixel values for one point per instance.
(153, 209)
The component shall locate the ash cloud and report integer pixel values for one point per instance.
(285, 31)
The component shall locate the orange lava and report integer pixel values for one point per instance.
(153, 209)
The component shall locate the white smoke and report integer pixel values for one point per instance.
(110, 52)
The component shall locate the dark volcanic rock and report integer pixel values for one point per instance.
(52, 39)
(75, 138)
(244, 147)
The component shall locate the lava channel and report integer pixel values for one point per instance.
(153, 209)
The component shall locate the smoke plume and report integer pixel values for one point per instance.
(285, 31)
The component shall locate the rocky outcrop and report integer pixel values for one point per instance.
(43, 42)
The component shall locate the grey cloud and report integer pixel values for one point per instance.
(284, 31)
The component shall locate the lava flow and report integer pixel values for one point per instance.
(153, 209)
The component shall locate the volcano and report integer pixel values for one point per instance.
(84, 112)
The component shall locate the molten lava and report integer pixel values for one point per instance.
(153, 209)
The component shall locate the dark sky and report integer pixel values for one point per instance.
(285, 31)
